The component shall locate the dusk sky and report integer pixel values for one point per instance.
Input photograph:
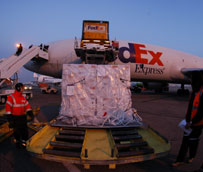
(176, 24)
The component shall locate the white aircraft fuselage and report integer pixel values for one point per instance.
(147, 62)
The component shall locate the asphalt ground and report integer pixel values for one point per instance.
(161, 111)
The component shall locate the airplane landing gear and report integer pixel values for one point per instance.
(183, 91)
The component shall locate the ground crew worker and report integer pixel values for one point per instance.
(19, 49)
(17, 107)
(194, 119)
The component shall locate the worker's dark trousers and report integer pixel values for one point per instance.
(20, 127)
(190, 143)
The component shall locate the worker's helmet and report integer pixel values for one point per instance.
(18, 86)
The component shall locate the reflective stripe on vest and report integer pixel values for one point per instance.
(196, 105)
(15, 105)
(9, 103)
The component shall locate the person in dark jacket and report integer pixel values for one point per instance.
(19, 49)
(194, 120)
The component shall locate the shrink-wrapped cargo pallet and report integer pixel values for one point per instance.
(97, 95)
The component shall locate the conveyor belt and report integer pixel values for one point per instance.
(67, 142)
(129, 143)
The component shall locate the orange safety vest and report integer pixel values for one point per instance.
(196, 105)
(17, 104)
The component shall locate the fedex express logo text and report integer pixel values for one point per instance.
(94, 28)
(136, 51)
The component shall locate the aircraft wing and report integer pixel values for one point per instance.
(188, 71)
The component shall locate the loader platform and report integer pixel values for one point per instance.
(97, 146)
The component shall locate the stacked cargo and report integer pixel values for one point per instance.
(97, 95)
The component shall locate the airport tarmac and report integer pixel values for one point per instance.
(161, 111)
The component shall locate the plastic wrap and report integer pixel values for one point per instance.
(96, 95)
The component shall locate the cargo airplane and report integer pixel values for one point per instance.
(155, 66)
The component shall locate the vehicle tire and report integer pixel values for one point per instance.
(138, 90)
(182, 92)
(187, 92)
(3, 100)
(52, 92)
(158, 90)
(43, 91)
